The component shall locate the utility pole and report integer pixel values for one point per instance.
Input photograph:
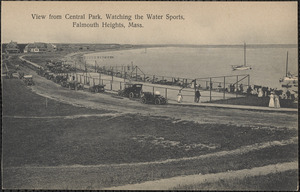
(287, 59)
(136, 73)
(210, 87)
(85, 72)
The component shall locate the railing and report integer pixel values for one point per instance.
(115, 83)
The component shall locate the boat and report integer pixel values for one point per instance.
(289, 78)
(242, 67)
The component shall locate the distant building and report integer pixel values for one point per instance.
(12, 47)
(38, 47)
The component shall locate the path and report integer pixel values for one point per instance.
(175, 182)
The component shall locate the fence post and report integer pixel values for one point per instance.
(248, 81)
(153, 78)
(195, 87)
(153, 90)
(144, 78)
(120, 85)
(210, 86)
(136, 77)
(93, 82)
(166, 93)
(224, 89)
(237, 86)
(111, 85)
(101, 81)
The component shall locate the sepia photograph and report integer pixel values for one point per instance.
(106, 95)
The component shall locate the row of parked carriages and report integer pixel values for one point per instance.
(130, 90)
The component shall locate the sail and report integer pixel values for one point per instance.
(242, 67)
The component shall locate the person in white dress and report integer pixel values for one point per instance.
(271, 102)
(179, 97)
(276, 101)
(260, 92)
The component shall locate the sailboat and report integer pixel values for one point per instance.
(241, 67)
(289, 78)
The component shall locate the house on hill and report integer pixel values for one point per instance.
(38, 47)
(12, 47)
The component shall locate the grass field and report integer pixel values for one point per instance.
(41, 58)
(19, 100)
(284, 181)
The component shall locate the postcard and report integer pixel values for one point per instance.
(149, 95)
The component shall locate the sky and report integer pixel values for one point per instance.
(203, 23)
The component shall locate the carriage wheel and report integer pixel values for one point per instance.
(157, 101)
(96, 90)
(131, 95)
(143, 100)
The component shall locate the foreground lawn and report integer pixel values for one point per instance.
(122, 139)
(85, 177)
(282, 181)
(18, 100)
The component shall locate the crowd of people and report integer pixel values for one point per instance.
(259, 91)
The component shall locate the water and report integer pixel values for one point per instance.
(268, 64)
